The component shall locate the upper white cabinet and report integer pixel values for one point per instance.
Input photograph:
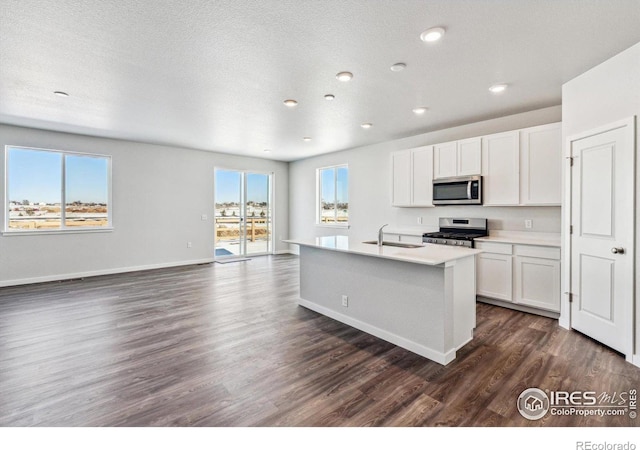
(469, 157)
(541, 165)
(412, 174)
(445, 160)
(501, 169)
(457, 158)
(519, 168)
(401, 189)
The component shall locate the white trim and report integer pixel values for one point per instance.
(284, 252)
(429, 353)
(95, 273)
(78, 230)
(337, 225)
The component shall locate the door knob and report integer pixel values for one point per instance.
(617, 250)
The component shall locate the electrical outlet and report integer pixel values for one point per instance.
(189, 244)
(203, 217)
(528, 223)
(345, 301)
(419, 220)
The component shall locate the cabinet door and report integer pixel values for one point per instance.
(500, 168)
(494, 276)
(538, 282)
(401, 174)
(422, 176)
(541, 165)
(469, 157)
(445, 158)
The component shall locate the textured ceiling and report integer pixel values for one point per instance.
(213, 75)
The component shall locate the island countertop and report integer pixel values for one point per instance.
(428, 254)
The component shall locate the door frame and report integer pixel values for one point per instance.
(243, 226)
(567, 205)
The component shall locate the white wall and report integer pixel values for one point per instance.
(159, 194)
(370, 186)
(605, 94)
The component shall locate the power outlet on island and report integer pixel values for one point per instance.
(189, 244)
(528, 224)
(345, 301)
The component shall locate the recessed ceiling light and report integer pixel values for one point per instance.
(306, 138)
(61, 94)
(397, 67)
(290, 103)
(366, 125)
(344, 76)
(329, 97)
(498, 88)
(432, 34)
(266, 150)
(420, 110)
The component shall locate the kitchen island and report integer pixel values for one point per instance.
(421, 299)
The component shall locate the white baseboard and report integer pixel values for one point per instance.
(95, 273)
(283, 252)
(429, 353)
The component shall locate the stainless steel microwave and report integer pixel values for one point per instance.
(458, 191)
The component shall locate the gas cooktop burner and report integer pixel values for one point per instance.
(459, 232)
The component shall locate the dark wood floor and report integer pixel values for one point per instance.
(226, 345)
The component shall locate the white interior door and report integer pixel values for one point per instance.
(602, 242)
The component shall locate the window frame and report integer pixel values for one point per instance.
(64, 229)
(335, 224)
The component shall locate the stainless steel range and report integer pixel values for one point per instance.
(458, 231)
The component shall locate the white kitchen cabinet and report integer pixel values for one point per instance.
(401, 174)
(412, 174)
(494, 271)
(541, 165)
(537, 277)
(501, 169)
(457, 158)
(522, 275)
(469, 161)
(445, 160)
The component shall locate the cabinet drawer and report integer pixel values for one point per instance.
(494, 247)
(537, 252)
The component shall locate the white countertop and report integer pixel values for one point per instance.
(522, 238)
(428, 254)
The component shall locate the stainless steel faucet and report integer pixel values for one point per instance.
(381, 235)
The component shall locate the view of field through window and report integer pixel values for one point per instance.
(242, 213)
(35, 193)
(334, 195)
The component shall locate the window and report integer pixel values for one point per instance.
(39, 182)
(333, 196)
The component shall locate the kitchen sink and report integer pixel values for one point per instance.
(394, 244)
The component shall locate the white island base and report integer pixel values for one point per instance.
(394, 294)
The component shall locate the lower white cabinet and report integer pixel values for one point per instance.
(537, 277)
(525, 275)
(494, 276)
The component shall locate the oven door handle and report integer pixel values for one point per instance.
(469, 190)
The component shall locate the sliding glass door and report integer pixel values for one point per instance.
(243, 213)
